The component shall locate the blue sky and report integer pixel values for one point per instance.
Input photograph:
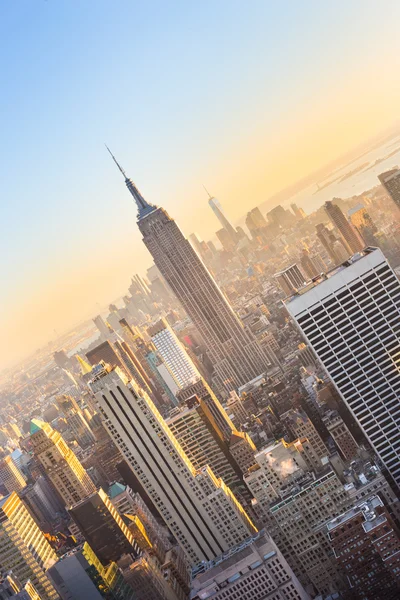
(234, 95)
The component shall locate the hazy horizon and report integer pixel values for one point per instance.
(246, 103)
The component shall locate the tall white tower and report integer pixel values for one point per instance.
(351, 318)
(173, 353)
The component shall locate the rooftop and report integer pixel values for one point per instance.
(302, 488)
(254, 383)
(116, 489)
(207, 565)
(4, 499)
(36, 425)
(367, 507)
(325, 276)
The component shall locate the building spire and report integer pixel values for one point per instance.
(116, 162)
(207, 192)
(144, 208)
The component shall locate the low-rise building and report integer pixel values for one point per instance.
(253, 569)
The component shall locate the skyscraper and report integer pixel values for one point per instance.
(234, 352)
(199, 509)
(103, 528)
(360, 218)
(101, 325)
(211, 406)
(219, 213)
(255, 221)
(279, 216)
(23, 547)
(290, 279)
(61, 465)
(10, 587)
(350, 318)
(307, 264)
(391, 182)
(173, 353)
(11, 476)
(80, 574)
(202, 444)
(298, 212)
(348, 232)
(225, 239)
(336, 249)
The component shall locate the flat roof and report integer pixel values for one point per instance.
(366, 507)
(334, 271)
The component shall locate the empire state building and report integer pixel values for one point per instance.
(235, 353)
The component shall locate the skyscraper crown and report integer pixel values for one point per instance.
(144, 208)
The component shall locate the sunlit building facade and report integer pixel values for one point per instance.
(60, 463)
(23, 547)
(199, 509)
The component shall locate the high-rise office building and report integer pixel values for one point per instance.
(62, 359)
(199, 509)
(243, 450)
(60, 463)
(336, 249)
(341, 435)
(120, 354)
(104, 351)
(236, 355)
(79, 574)
(42, 501)
(298, 212)
(308, 265)
(391, 182)
(10, 587)
(203, 443)
(280, 216)
(297, 521)
(236, 408)
(147, 366)
(290, 279)
(102, 326)
(306, 356)
(219, 213)
(225, 240)
(255, 221)
(76, 422)
(103, 528)
(350, 318)
(11, 476)
(361, 220)
(210, 405)
(149, 581)
(142, 522)
(23, 547)
(197, 245)
(348, 232)
(173, 353)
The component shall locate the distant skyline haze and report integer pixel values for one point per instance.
(245, 100)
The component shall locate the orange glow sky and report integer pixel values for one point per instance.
(246, 104)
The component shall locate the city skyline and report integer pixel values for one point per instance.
(243, 150)
(200, 379)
